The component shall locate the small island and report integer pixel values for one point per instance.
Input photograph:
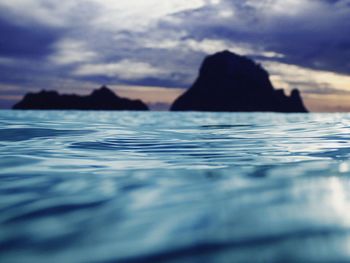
(233, 83)
(100, 99)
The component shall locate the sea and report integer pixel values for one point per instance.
(88, 186)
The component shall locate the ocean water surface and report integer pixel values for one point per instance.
(174, 187)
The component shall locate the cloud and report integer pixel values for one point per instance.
(307, 33)
(135, 15)
(48, 13)
(289, 76)
(210, 46)
(7, 61)
(125, 69)
(289, 8)
(304, 43)
(21, 41)
(70, 51)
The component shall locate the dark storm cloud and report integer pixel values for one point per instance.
(30, 41)
(162, 43)
(311, 34)
(173, 81)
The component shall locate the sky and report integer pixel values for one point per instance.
(152, 49)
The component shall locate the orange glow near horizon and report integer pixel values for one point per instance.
(158, 98)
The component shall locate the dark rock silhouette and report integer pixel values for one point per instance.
(101, 99)
(229, 82)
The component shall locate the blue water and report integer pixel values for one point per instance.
(174, 187)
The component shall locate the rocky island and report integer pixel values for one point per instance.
(233, 83)
(100, 99)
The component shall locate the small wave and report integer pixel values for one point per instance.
(228, 126)
(135, 144)
(24, 134)
(181, 187)
(53, 210)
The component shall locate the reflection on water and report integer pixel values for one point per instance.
(175, 187)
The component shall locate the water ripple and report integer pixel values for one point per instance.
(177, 187)
(23, 134)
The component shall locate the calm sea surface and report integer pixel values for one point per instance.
(174, 187)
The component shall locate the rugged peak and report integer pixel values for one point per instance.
(230, 67)
(47, 92)
(103, 92)
(295, 93)
(100, 99)
(230, 82)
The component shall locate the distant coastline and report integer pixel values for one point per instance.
(101, 99)
(232, 83)
(227, 82)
